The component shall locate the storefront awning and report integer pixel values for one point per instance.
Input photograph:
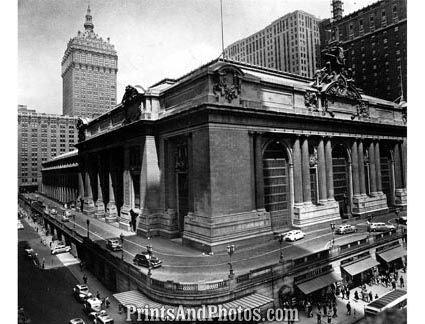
(393, 254)
(136, 298)
(360, 266)
(317, 283)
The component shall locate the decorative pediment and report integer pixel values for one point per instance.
(227, 82)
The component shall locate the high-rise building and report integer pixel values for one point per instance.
(289, 44)
(375, 40)
(41, 137)
(89, 73)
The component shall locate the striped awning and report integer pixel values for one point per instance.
(360, 266)
(393, 254)
(139, 300)
(307, 287)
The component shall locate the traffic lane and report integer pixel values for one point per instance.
(46, 295)
(219, 269)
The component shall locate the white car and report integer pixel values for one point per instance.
(61, 248)
(294, 235)
(381, 227)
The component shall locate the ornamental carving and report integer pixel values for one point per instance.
(131, 101)
(334, 80)
(311, 101)
(181, 158)
(82, 126)
(227, 83)
(313, 158)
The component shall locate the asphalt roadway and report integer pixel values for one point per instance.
(45, 295)
(185, 264)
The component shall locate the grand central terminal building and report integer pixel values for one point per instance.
(234, 153)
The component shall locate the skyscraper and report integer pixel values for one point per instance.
(375, 42)
(41, 137)
(89, 73)
(289, 44)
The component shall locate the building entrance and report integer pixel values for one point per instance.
(182, 199)
(276, 185)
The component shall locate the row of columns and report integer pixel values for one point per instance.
(60, 187)
(302, 184)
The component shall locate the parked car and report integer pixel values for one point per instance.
(81, 292)
(53, 212)
(94, 315)
(113, 244)
(65, 218)
(77, 321)
(142, 259)
(402, 220)
(92, 304)
(30, 253)
(381, 227)
(345, 228)
(294, 235)
(105, 319)
(60, 248)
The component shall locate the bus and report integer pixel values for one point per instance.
(396, 299)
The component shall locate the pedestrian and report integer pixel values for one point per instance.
(329, 319)
(98, 295)
(107, 302)
(401, 281)
(319, 318)
(85, 279)
(348, 293)
(376, 296)
(335, 311)
(370, 296)
(44, 260)
(394, 285)
(356, 295)
(342, 294)
(119, 308)
(354, 313)
(348, 308)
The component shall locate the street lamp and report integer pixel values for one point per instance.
(88, 226)
(280, 238)
(73, 218)
(230, 251)
(122, 246)
(149, 249)
(333, 233)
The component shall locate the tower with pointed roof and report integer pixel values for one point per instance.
(89, 73)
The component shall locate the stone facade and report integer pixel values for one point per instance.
(233, 153)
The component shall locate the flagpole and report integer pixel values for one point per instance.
(222, 34)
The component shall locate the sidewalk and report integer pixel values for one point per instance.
(357, 307)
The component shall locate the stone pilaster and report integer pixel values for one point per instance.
(127, 191)
(298, 183)
(362, 179)
(378, 167)
(88, 199)
(100, 206)
(259, 181)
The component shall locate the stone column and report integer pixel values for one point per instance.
(378, 168)
(329, 169)
(403, 147)
(305, 158)
(80, 185)
(100, 206)
(259, 180)
(361, 168)
(298, 181)
(111, 207)
(372, 170)
(127, 184)
(398, 167)
(322, 171)
(88, 199)
(355, 168)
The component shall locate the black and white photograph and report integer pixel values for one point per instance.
(210, 161)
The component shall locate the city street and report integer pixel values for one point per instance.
(185, 264)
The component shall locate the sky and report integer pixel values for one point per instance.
(154, 39)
